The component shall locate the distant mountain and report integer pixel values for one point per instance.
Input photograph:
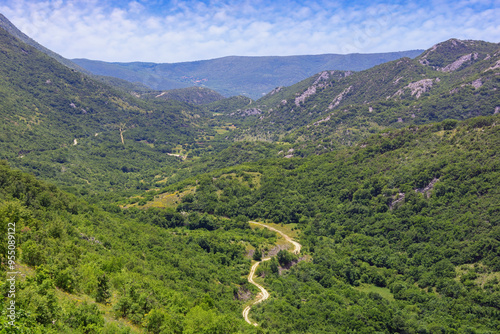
(249, 76)
(193, 95)
(454, 79)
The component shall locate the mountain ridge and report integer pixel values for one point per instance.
(237, 75)
(394, 94)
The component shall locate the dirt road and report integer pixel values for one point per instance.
(263, 295)
(296, 245)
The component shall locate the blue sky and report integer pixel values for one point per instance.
(175, 31)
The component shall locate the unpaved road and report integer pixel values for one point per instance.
(297, 246)
(263, 295)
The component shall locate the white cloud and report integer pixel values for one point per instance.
(193, 30)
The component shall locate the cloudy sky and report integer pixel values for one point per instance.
(175, 31)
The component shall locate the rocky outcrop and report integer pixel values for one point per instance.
(427, 189)
(338, 98)
(459, 62)
(312, 89)
(417, 88)
(247, 112)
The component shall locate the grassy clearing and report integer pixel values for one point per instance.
(169, 200)
(289, 229)
(383, 292)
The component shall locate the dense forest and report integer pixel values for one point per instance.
(130, 213)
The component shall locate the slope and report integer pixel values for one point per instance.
(403, 231)
(116, 82)
(61, 124)
(85, 270)
(333, 108)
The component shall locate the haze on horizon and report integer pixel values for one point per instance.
(177, 31)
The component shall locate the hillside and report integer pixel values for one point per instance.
(116, 82)
(336, 108)
(192, 95)
(249, 76)
(85, 270)
(403, 230)
(62, 125)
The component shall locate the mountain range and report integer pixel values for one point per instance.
(249, 76)
(131, 205)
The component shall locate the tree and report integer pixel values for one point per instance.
(103, 293)
(257, 255)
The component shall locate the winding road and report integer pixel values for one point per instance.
(263, 295)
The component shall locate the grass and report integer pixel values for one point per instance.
(383, 292)
(169, 200)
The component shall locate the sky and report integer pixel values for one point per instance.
(177, 31)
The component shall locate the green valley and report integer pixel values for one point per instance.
(129, 210)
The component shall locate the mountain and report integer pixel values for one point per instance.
(193, 95)
(14, 31)
(249, 76)
(62, 124)
(116, 82)
(454, 79)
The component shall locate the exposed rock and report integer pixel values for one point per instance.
(477, 83)
(397, 80)
(417, 88)
(398, 199)
(338, 98)
(458, 63)
(322, 120)
(247, 112)
(400, 120)
(310, 91)
(276, 90)
(323, 76)
(90, 239)
(497, 110)
(424, 60)
(494, 67)
(427, 189)
(288, 156)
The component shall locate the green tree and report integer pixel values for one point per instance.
(103, 293)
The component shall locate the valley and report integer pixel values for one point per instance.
(349, 200)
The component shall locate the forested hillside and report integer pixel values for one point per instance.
(63, 125)
(403, 231)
